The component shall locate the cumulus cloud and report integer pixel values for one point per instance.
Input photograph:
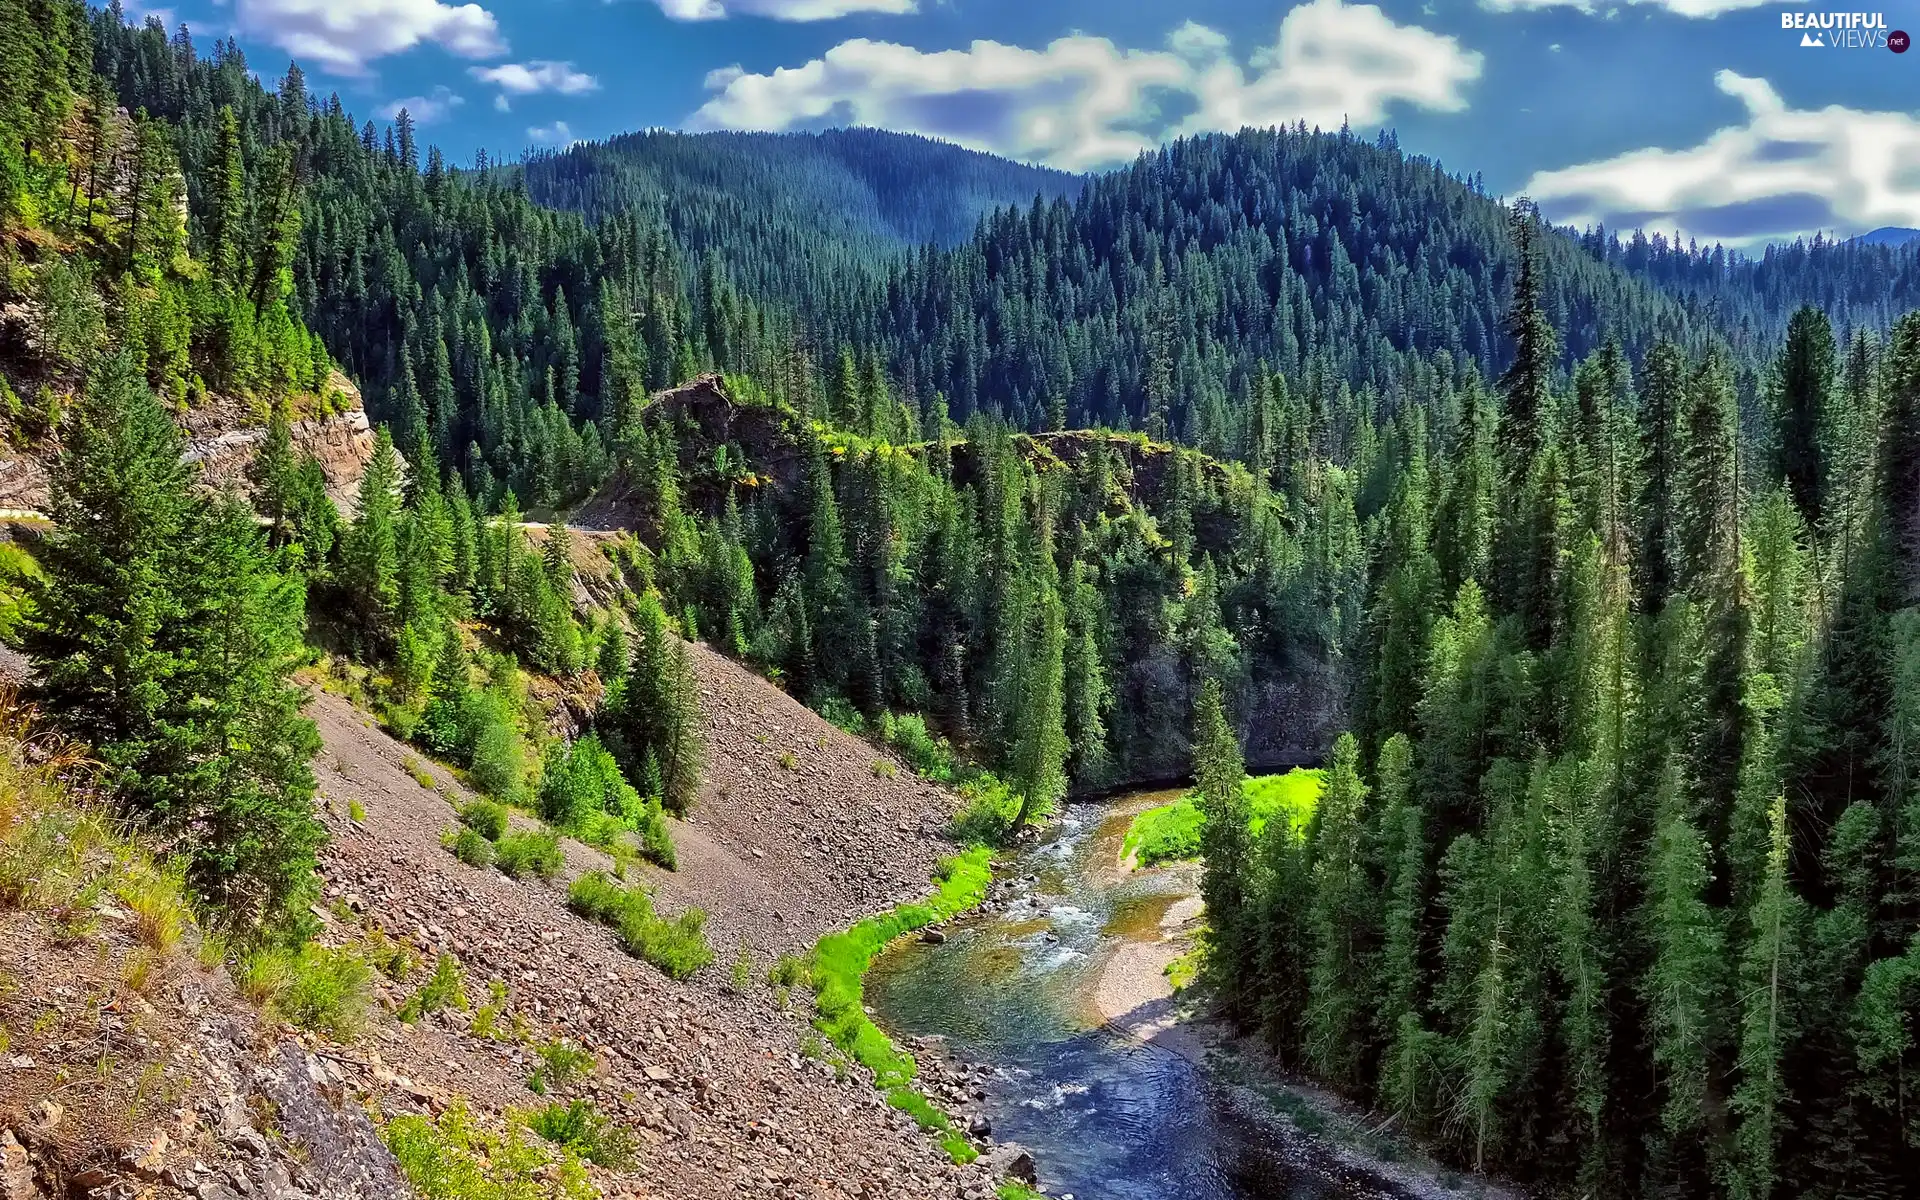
(533, 78)
(1083, 102)
(1685, 8)
(556, 134)
(425, 110)
(1333, 62)
(343, 36)
(1782, 173)
(781, 10)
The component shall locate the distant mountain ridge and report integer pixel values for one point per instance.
(1888, 235)
(871, 189)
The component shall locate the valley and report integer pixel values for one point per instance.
(650, 671)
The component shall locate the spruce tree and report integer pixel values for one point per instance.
(1225, 842)
(164, 633)
(370, 566)
(1342, 921)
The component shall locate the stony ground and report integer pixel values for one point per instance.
(713, 1076)
(795, 834)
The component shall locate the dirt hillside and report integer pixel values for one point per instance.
(713, 1077)
(165, 1084)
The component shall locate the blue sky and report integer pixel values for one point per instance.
(1704, 116)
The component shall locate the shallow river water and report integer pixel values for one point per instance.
(1104, 1115)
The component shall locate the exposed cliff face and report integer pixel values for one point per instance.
(224, 436)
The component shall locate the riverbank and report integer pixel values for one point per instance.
(1047, 1015)
(837, 970)
(1134, 995)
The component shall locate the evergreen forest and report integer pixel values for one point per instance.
(1591, 565)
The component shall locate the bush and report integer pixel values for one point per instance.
(841, 712)
(580, 1127)
(678, 946)
(500, 762)
(989, 812)
(444, 989)
(315, 987)
(395, 960)
(531, 853)
(656, 840)
(469, 847)
(929, 757)
(561, 1064)
(485, 818)
(454, 1159)
(442, 732)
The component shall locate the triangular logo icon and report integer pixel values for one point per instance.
(1813, 39)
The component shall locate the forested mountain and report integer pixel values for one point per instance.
(1611, 887)
(1152, 300)
(1862, 283)
(868, 191)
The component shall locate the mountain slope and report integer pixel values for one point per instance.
(711, 1076)
(1158, 294)
(871, 190)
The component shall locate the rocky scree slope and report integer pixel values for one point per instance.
(179, 1088)
(711, 1076)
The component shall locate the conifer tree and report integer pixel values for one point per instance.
(1342, 921)
(1803, 437)
(1219, 773)
(370, 566)
(164, 634)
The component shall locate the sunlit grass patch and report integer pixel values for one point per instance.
(838, 966)
(1172, 832)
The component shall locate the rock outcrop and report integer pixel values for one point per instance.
(223, 438)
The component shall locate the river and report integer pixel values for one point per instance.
(1019, 988)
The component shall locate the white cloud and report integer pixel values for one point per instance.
(540, 75)
(425, 110)
(781, 10)
(1082, 102)
(1782, 173)
(556, 134)
(1685, 8)
(1335, 62)
(343, 36)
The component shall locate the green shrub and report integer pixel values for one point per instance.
(561, 1065)
(677, 946)
(989, 812)
(842, 713)
(315, 987)
(444, 989)
(929, 757)
(580, 1127)
(454, 1159)
(394, 959)
(530, 853)
(500, 762)
(485, 818)
(656, 840)
(469, 847)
